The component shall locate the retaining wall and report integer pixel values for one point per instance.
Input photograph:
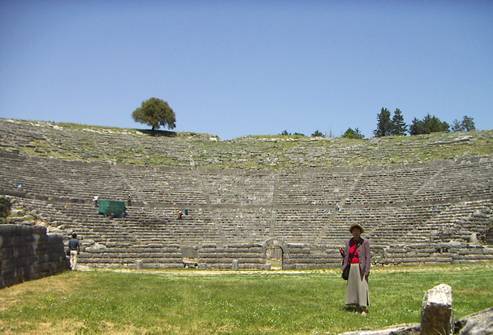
(27, 252)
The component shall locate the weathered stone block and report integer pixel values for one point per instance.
(436, 314)
(394, 330)
(476, 324)
(139, 264)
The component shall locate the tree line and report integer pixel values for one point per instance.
(156, 112)
(394, 125)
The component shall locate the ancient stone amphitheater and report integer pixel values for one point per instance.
(253, 200)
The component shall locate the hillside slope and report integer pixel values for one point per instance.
(132, 146)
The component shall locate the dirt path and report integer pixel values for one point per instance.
(375, 269)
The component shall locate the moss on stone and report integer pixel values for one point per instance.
(5, 207)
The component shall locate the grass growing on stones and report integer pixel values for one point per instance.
(272, 152)
(182, 302)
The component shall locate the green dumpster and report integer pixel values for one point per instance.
(113, 207)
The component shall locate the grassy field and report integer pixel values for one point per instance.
(197, 302)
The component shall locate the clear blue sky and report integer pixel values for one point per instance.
(247, 67)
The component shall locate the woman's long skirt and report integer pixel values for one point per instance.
(357, 289)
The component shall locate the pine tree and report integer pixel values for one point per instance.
(457, 125)
(468, 123)
(416, 127)
(317, 133)
(399, 127)
(433, 124)
(384, 124)
(429, 124)
(355, 134)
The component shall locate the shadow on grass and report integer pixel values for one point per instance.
(157, 133)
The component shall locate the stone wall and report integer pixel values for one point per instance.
(27, 252)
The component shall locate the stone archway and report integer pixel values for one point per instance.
(274, 254)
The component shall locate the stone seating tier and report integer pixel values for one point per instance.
(78, 181)
(146, 236)
(234, 213)
(92, 143)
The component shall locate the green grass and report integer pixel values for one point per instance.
(181, 302)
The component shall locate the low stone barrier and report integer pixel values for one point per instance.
(27, 252)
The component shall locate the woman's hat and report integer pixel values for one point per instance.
(356, 226)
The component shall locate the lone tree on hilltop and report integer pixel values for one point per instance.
(384, 123)
(399, 127)
(317, 133)
(156, 113)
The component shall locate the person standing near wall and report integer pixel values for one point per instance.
(357, 257)
(74, 249)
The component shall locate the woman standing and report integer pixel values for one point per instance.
(357, 256)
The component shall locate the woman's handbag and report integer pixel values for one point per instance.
(345, 272)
